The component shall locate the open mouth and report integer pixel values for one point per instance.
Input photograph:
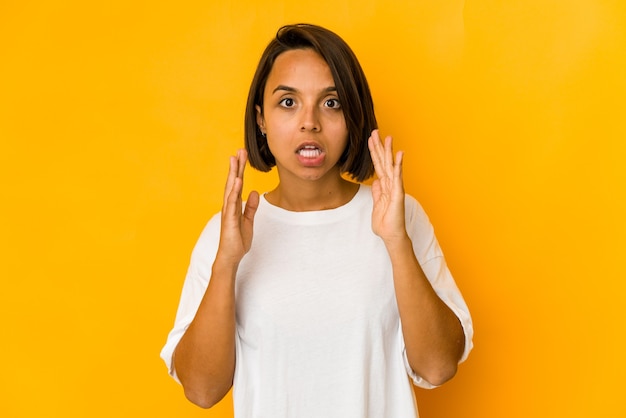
(309, 151)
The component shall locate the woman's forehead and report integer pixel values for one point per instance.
(299, 69)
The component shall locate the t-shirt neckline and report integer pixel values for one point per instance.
(315, 216)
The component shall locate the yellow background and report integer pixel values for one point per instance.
(116, 120)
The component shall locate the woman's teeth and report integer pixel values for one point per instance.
(309, 152)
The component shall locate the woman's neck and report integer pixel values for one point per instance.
(312, 195)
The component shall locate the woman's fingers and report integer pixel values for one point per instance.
(230, 179)
(237, 221)
(242, 157)
(375, 152)
(397, 168)
(382, 156)
(388, 155)
(388, 188)
(234, 181)
(247, 224)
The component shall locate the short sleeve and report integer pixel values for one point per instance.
(196, 282)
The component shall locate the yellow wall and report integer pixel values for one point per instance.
(116, 119)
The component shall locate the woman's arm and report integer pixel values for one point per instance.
(433, 335)
(204, 358)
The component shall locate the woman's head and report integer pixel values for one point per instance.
(352, 90)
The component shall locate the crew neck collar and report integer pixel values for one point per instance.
(359, 198)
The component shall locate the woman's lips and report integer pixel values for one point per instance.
(311, 155)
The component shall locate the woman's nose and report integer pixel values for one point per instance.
(310, 119)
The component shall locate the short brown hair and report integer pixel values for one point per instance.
(352, 90)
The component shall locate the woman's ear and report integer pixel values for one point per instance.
(259, 118)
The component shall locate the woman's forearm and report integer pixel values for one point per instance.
(204, 359)
(433, 335)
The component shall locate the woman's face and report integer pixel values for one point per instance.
(302, 116)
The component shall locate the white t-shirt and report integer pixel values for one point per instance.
(318, 329)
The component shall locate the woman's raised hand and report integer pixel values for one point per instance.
(387, 190)
(237, 222)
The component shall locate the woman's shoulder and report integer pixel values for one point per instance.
(209, 237)
(415, 214)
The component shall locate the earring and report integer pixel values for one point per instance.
(263, 134)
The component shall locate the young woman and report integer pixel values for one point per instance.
(321, 297)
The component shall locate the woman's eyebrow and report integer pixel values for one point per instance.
(284, 88)
(289, 89)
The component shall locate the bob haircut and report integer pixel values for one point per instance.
(352, 89)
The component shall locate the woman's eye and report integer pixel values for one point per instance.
(287, 102)
(333, 103)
